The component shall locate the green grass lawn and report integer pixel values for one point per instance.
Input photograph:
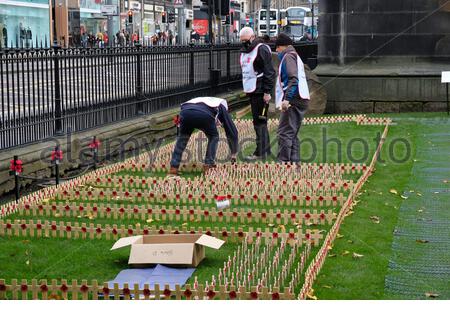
(344, 277)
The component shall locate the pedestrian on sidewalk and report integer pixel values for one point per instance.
(258, 77)
(292, 98)
(204, 114)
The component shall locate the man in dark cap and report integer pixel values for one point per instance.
(292, 97)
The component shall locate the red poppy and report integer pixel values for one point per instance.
(8, 226)
(275, 296)
(267, 197)
(307, 236)
(208, 233)
(322, 216)
(307, 216)
(177, 211)
(211, 294)
(23, 226)
(40, 207)
(278, 215)
(84, 288)
(43, 288)
(68, 228)
(64, 288)
(220, 214)
(126, 291)
(54, 208)
(146, 292)
(95, 209)
(114, 231)
(24, 288)
(176, 232)
(167, 292)
(149, 211)
(275, 235)
(249, 214)
(232, 295)
(264, 215)
(105, 291)
(161, 231)
(83, 229)
(191, 212)
(206, 213)
(292, 215)
(145, 232)
(224, 233)
(39, 226)
(240, 234)
(98, 230)
(308, 198)
(130, 232)
(254, 295)
(53, 227)
(187, 293)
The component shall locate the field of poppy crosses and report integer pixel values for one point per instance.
(278, 231)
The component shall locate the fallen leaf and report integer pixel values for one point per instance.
(333, 255)
(357, 255)
(393, 191)
(271, 225)
(149, 220)
(45, 200)
(326, 287)
(445, 181)
(27, 262)
(345, 253)
(350, 241)
(422, 241)
(184, 224)
(404, 197)
(339, 236)
(419, 194)
(420, 210)
(431, 295)
(57, 215)
(282, 228)
(25, 241)
(375, 219)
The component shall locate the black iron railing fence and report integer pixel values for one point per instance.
(46, 92)
(49, 92)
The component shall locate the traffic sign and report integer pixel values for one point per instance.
(178, 3)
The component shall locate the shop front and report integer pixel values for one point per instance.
(24, 22)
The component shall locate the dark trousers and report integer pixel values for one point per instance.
(259, 113)
(288, 142)
(190, 120)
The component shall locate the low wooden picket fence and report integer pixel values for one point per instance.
(46, 229)
(84, 290)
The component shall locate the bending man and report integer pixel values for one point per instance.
(204, 114)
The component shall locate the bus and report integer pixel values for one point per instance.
(298, 21)
(262, 22)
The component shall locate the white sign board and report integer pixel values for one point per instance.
(135, 6)
(159, 8)
(109, 10)
(189, 14)
(446, 77)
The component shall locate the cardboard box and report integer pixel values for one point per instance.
(173, 249)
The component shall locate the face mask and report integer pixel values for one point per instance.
(246, 44)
